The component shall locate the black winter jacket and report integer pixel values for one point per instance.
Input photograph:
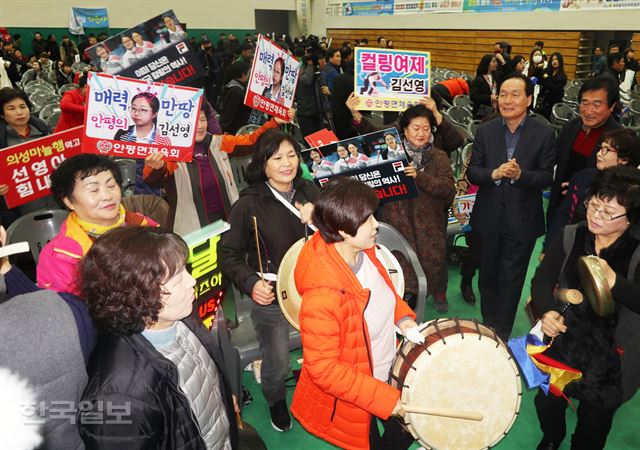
(129, 370)
(278, 229)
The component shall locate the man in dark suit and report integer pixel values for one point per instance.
(580, 138)
(512, 162)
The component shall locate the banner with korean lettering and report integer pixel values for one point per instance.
(273, 80)
(202, 264)
(91, 17)
(464, 204)
(156, 50)
(133, 118)
(578, 5)
(390, 80)
(377, 159)
(370, 8)
(433, 6)
(510, 5)
(26, 168)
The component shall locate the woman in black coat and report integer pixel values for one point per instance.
(552, 85)
(483, 90)
(155, 377)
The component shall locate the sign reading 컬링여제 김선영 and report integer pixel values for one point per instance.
(26, 168)
(390, 80)
(156, 50)
(134, 119)
(273, 80)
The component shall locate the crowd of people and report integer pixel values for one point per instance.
(114, 279)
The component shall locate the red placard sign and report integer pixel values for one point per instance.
(26, 168)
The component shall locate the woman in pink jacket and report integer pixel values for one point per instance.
(89, 185)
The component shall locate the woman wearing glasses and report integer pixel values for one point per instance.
(620, 147)
(144, 115)
(583, 340)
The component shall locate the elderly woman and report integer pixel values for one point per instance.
(620, 147)
(17, 126)
(276, 188)
(155, 364)
(89, 185)
(202, 191)
(347, 325)
(423, 220)
(605, 349)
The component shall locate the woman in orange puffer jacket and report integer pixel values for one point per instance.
(347, 319)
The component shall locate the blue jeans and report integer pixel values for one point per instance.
(272, 332)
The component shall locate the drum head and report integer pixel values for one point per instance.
(466, 371)
(290, 299)
(595, 285)
(288, 296)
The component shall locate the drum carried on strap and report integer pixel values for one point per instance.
(462, 369)
(288, 296)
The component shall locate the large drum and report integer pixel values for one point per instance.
(288, 296)
(461, 366)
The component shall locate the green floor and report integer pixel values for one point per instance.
(525, 433)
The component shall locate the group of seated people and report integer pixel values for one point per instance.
(127, 347)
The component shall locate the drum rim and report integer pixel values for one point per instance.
(490, 335)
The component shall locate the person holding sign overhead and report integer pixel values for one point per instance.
(422, 220)
(268, 208)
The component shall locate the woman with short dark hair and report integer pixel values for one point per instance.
(17, 126)
(155, 362)
(89, 185)
(582, 339)
(276, 188)
(349, 309)
(620, 147)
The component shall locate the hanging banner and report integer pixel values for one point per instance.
(375, 8)
(273, 80)
(26, 168)
(303, 14)
(134, 119)
(81, 18)
(510, 5)
(577, 5)
(156, 50)
(420, 7)
(377, 159)
(390, 80)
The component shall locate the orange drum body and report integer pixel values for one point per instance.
(462, 365)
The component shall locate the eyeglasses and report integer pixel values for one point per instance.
(606, 148)
(139, 110)
(591, 208)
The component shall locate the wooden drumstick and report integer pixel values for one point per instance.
(444, 412)
(255, 230)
